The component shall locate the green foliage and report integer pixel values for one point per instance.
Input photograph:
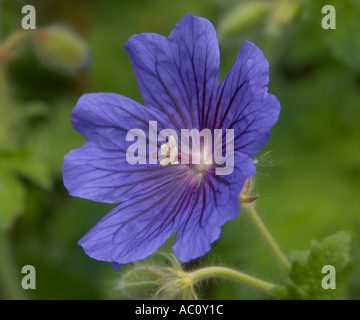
(12, 196)
(47, 141)
(344, 41)
(306, 272)
(23, 162)
(14, 165)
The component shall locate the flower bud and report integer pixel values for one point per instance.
(284, 12)
(244, 16)
(244, 195)
(157, 281)
(142, 282)
(60, 48)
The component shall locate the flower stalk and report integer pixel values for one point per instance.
(216, 271)
(5, 109)
(12, 41)
(254, 216)
(179, 281)
(4, 105)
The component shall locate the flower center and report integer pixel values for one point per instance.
(200, 158)
(199, 169)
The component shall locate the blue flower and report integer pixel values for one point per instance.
(178, 77)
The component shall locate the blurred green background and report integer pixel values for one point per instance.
(308, 178)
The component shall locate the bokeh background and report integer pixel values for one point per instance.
(308, 178)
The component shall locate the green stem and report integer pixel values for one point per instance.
(5, 112)
(0, 20)
(232, 274)
(267, 236)
(5, 108)
(13, 40)
(9, 281)
(187, 293)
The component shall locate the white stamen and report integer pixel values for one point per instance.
(169, 155)
(164, 150)
(172, 142)
(164, 162)
(173, 155)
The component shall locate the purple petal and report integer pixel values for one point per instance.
(243, 102)
(116, 266)
(137, 227)
(220, 204)
(99, 169)
(128, 233)
(104, 175)
(105, 118)
(178, 75)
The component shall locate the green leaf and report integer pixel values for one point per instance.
(13, 164)
(22, 162)
(289, 292)
(306, 272)
(56, 137)
(12, 195)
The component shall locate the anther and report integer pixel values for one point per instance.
(168, 155)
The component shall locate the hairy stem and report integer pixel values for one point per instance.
(267, 235)
(216, 271)
(187, 293)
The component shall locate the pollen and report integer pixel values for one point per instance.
(169, 155)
